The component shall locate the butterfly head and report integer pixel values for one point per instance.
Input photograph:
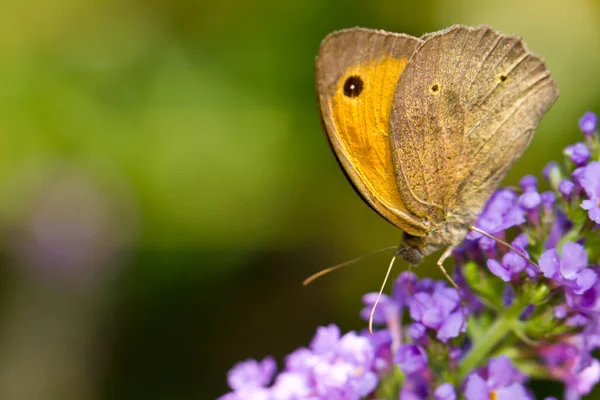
(411, 249)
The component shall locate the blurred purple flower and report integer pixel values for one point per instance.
(578, 153)
(444, 392)
(528, 183)
(512, 263)
(569, 270)
(566, 187)
(439, 309)
(503, 382)
(590, 181)
(563, 361)
(251, 373)
(500, 213)
(530, 200)
(411, 358)
(588, 123)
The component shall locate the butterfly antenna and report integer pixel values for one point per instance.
(519, 252)
(344, 264)
(387, 274)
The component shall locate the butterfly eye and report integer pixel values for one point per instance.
(353, 86)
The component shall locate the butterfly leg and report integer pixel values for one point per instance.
(440, 264)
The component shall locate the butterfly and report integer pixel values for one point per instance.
(426, 128)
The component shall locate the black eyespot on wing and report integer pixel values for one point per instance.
(435, 87)
(503, 78)
(353, 86)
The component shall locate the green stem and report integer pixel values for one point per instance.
(571, 236)
(494, 335)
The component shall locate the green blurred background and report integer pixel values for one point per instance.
(165, 185)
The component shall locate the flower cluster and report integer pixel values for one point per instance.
(514, 319)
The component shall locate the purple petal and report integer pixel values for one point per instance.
(549, 263)
(530, 200)
(500, 372)
(432, 318)
(578, 153)
(498, 269)
(300, 360)
(326, 339)
(290, 385)
(404, 288)
(560, 311)
(528, 183)
(251, 373)
(590, 180)
(446, 299)
(411, 358)
(587, 379)
(566, 187)
(451, 327)
(365, 384)
(357, 350)
(588, 123)
(521, 242)
(577, 175)
(513, 262)
(573, 260)
(585, 280)
(594, 214)
(420, 303)
(516, 391)
(476, 388)
(444, 392)
(548, 198)
(417, 331)
(588, 204)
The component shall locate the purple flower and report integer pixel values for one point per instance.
(290, 386)
(500, 212)
(326, 339)
(560, 311)
(444, 392)
(577, 175)
(563, 361)
(566, 187)
(417, 331)
(381, 342)
(578, 153)
(503, 382)
(341, 366)
(530, 200)
(414, 388)
(548, 198)
(590, 180)
(583, 382)
(512, 263)
(411, 358)
(588, 123)
(439, 309)
(404, 287)
(528, 183)
(569, 270)
(251, 373)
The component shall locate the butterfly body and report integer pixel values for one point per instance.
(425, 128)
